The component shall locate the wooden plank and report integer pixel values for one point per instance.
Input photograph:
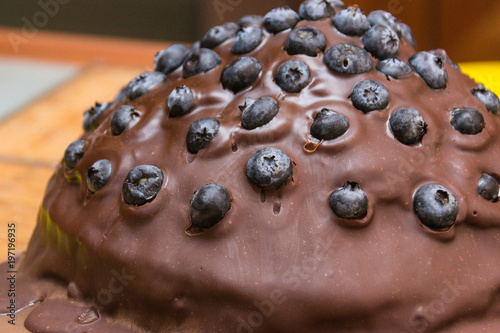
(41, 132)
(20, 197)
(78, 48)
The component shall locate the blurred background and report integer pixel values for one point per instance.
(468, 30)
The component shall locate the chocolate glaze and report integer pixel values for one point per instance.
(279, 261)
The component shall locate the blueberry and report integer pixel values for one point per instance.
(171, 58)
(293, 76)
(329, 125)
(200, 61)
(488, 98)
(348, 59)
(209, 205)
(142, 185)
(369, 95)
(98, 175)
(488, 188)
(445, 58)
(393, 67)
(74, 154)
(280, 19)
(430, 68)
(92, 115)
(240, 73)
(384, 18)
(351, 21)
(381, 42)
(122, 96)
(218, 35)
(305, 40)
(246, 40)
(258, 112)
(349, 201)
(200, 133)
(408, 125)
(315, 10)
(407, 34)
(436, 207)
(250, 20)
(467, 120)
(269, 168)
(180, 101)
(121, 118)
(196, 46)
(143, 83)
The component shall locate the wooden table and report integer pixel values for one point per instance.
(33, 141)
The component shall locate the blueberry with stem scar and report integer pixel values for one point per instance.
(305, 40)
(293, 76)
(346, 58)
(74, 154)
(142, 185)
(200, 61)
(180, 101)
(269, 168)
(431, 68)
(121, 118)
(351, 21)
(349, 202)
(280, 19)
(218, 35)
(201, 133)
(436, 207)
(329, 125)
(92, 116)
(369, 95)
(381, 42)
(98, 175)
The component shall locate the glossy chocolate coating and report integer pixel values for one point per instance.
(279, 261)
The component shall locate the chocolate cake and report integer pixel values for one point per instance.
(305, 171)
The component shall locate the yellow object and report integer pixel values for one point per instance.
(487, 73)
(54, 235)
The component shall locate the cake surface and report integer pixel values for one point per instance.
(307, 171)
